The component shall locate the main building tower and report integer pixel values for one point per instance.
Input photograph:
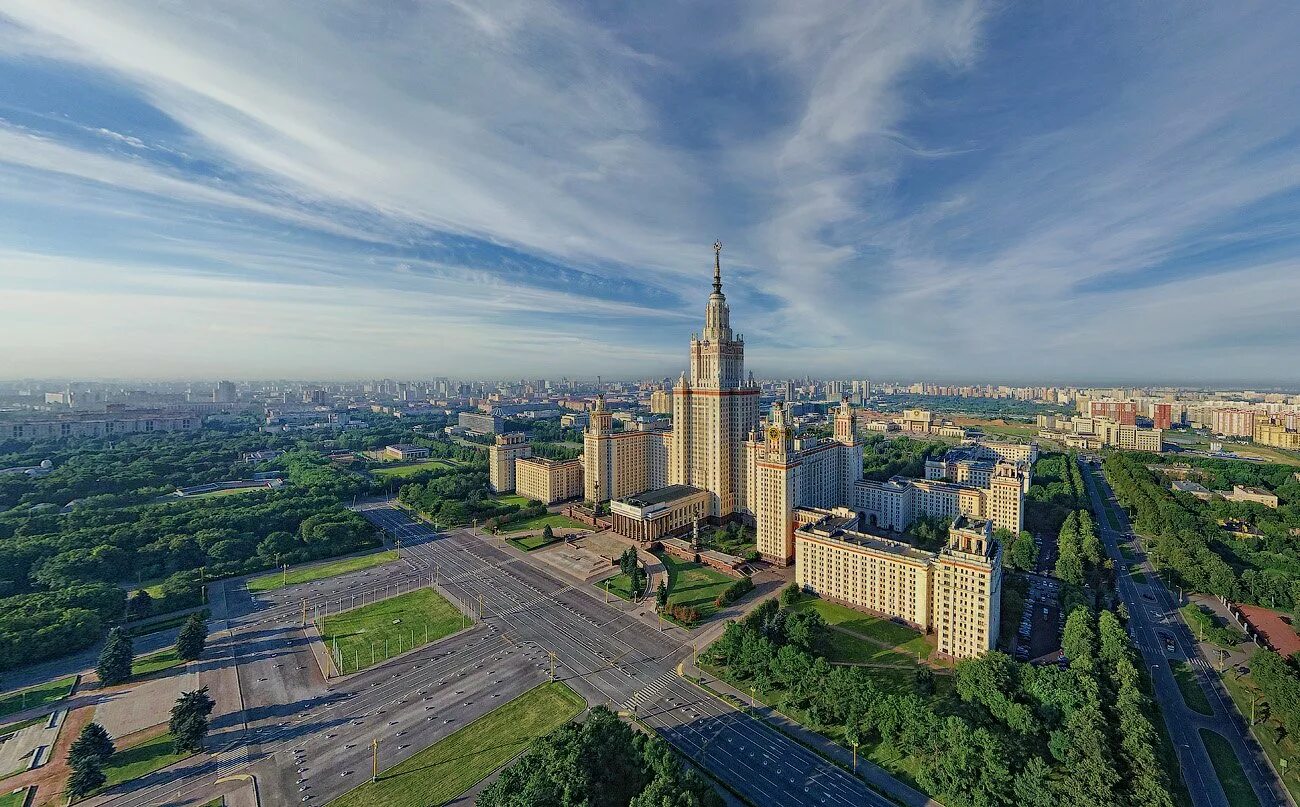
(714, 409)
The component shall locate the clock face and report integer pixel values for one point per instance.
(773, 433)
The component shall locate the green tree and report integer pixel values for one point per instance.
(661, 595)
(189, 720)
(192, 638)
(93, 741)
(1024, 552)
(114, 665)
(791, 594)
(87, 776)
(547, 533)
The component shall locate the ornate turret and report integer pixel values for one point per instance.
(845, 423)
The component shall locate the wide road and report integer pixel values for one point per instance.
(615, 658)
(1152, 614)
(308, 740)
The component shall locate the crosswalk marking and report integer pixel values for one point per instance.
(650, 691)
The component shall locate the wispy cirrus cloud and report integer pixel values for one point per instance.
(941, 189)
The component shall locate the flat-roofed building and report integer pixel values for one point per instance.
(502, 456)
(955, 593)
(1194, 488)
(102, 425)
(1274, 432)
(837, 561)
(406, 452)
(968, 589)
(548, 481)
(654, 514)
(480, 423)
(1247, 493)
(619, 464)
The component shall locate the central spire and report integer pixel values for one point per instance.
(717, 267)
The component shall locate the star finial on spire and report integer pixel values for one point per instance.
(717, 267)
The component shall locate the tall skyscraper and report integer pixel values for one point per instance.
(714, 409)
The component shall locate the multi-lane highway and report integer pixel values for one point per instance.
(1152, 616)
(308, 740)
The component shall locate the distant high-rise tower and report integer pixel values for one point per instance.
(714, 409)
(224, 393)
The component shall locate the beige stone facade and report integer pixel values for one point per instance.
(548, 481)
(956, 592)
(502, 455)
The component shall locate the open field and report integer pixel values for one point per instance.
(138, 760)
(555, 520)
(384, 629)
(694, 584)
(457, 762)
(530, 542)
(1193, 695)
(155, 662)
(305, 574)
(1277, 744)
(891, 634)
(1228, 768)
(39, 695)
(396, 471)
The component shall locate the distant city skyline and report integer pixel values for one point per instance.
(930, 191)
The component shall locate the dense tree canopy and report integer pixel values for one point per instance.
(600, 762)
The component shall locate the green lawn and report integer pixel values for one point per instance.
(16, 798)
(620, 584)
(305, 574)
(156, 662)
(530, 542)
(1135, 572)
(1277, 744)
(1206, 626)
(515, 499)
(389, 627)
(411, 468)
(694, 584)
(538, 522)
(841, 648)
(1193, 695)
(1228, 768)
(138, 760)
(457, 762)
(882, 630)
(39, 695)
(163, 624)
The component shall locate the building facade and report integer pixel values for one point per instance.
(502, 455)
(548, 481)
(714, 410)
(956, 592)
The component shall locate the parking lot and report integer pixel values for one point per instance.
(1039, 632)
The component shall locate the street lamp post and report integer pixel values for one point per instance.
(855, 757)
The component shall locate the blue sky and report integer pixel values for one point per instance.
(1003, 192)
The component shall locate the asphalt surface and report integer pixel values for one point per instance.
(1153, 615)
(309, 740)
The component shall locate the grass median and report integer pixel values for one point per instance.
(16, 798)
(1228, 768)
(373, 633)
(39, 695)
(457, 762)
(306, 574)
(1193, 695)
(138, 760)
